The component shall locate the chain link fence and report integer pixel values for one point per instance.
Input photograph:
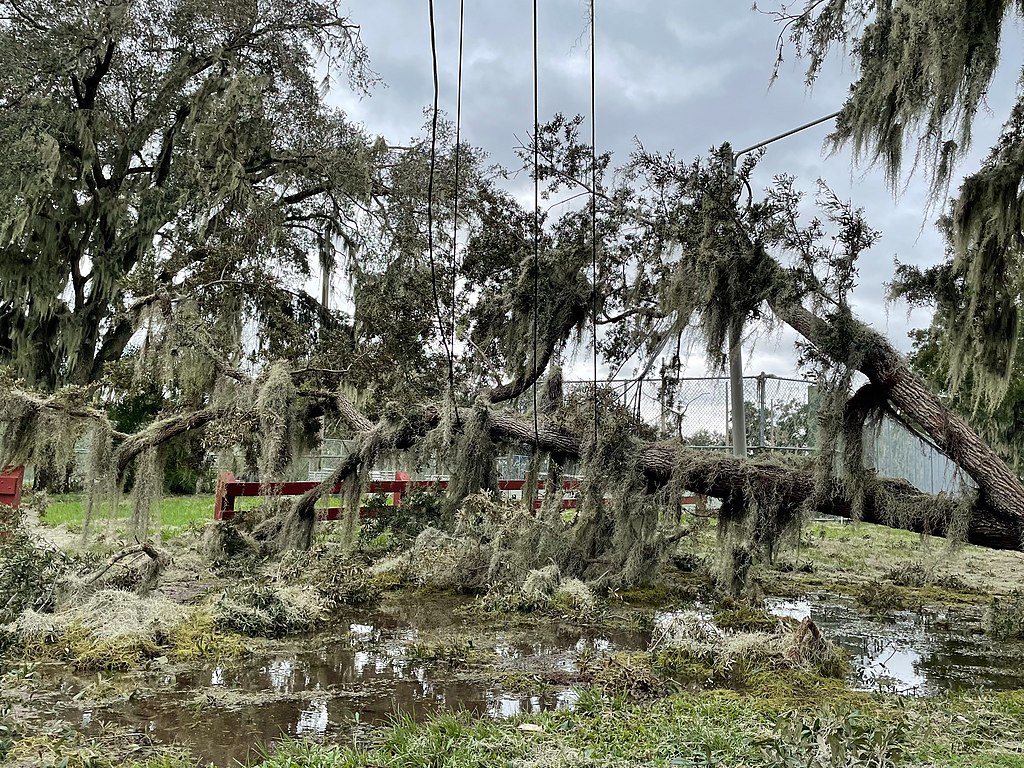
(780, 413)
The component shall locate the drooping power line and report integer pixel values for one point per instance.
(430, 202)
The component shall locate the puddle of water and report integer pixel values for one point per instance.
(916, 653)
(334, 686)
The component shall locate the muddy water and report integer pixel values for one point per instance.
(912, 652)
(334, 686)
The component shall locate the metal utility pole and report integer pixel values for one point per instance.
(739, 426)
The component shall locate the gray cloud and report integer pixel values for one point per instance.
(680, 76)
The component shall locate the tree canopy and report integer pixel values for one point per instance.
(922, 73)
(178, 179)
(156, 151)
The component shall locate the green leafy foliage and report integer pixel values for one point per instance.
(835, 739)
(395, 526)
(1004, 619)
(258, 609)
(922, 72)
(8, 730)
(158, 151)
(28, 573)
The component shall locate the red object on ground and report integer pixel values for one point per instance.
(229, 489)
(11, 481)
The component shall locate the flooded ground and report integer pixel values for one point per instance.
(371, 668)
(336, 684)
(912, 652)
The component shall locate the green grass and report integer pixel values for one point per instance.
(177, 513)
(715, 728)
(709, 728)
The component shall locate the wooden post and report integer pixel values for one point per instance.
(224, 507)
(11, 481)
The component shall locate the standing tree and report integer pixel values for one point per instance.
(682, 247)
(161, 151)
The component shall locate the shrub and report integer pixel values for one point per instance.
(259, 609)
(916, 575)
(880, 597)
(28, 573)
(1004, 619)
(834, 739)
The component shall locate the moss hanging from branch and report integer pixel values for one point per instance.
(294, 528)
(980, 304)
(276, 407)
(473, 465)
(100, 482)
(146, 492)
(923, 72)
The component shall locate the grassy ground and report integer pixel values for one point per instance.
(771, 727)
(706, 729)
(779, 719)
(856, 558)
(178, 514)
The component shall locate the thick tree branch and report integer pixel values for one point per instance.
(1000, 487)
(161, 431)
(532, 372)
(887, 502)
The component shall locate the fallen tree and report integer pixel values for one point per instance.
(1001, 489)
(888, 501)
(717, 264)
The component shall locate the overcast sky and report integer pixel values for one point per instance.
(680, 76)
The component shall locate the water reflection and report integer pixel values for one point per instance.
(313, 719)
(280, 673)
(332, 686)
(908, 652)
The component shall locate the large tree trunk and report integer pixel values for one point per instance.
(725, 477)
(1000, 488)
(888, 502)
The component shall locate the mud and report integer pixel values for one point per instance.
(372, 667)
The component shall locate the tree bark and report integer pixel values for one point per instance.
(160, 432)
(725, 477)
(1001, 490)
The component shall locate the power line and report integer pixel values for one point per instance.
(430, 201)
(593, 187)
(455, 214)
(536, 217)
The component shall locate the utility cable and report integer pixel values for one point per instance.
(455, 214)
(593, 189)
(430, 200)
(536, 218)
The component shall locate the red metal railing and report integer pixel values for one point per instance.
(229, 489)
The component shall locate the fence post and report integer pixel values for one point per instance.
(403, 477)
(11, 480)
(224, 505)
(761, 412)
